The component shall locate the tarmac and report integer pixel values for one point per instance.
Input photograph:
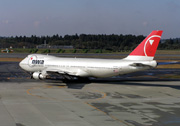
(147, 98)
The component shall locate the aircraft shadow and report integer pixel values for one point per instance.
(134, 82)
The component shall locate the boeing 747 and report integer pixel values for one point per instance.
(141, 58)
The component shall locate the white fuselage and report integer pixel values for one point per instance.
(83, 67)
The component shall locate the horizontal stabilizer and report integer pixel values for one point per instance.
(167, 63)
(139, 65)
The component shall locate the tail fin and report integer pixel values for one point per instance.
(147, 48)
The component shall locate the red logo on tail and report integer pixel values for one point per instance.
(148, 46)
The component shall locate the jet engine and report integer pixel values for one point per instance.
(38, 76)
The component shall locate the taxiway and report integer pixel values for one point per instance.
(141, 99)
(96, 104)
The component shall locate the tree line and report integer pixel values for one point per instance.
(85, 41)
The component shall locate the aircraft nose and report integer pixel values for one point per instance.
(23, 64)
(20, 64)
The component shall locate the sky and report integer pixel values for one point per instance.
(49, 17)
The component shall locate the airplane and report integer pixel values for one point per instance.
(6, 50)
(141, 58)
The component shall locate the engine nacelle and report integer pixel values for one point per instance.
(38, 76)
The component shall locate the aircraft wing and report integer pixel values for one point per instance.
(59, 71)
(72, 72)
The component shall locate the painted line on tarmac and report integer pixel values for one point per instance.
(113, 117)
(103, 94)
(42, 97)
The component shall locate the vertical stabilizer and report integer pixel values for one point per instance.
(147, 48)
